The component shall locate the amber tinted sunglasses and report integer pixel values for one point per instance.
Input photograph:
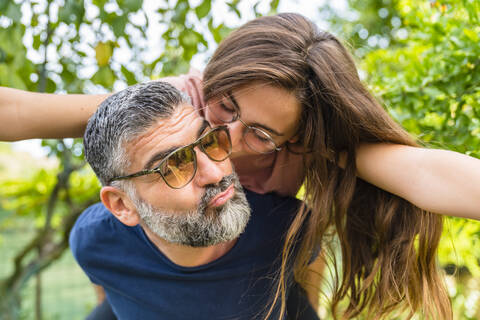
(179, 167)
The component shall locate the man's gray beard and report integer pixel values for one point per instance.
(204, 226)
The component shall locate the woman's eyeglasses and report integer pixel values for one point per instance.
(179, 167)
(256, 139)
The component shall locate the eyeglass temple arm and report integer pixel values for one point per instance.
(134, 175)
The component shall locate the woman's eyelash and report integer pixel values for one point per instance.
(224, 106)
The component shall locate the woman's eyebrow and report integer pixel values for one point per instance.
(254, 124)
(163, 153)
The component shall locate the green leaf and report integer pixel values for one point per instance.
(65, 13)
(233, 6)
(103, 53)
(99, 3)
(14, 12)
(201, 38)
(79, 10)
(180, 12)
(132, 5)
(3, 74)
(274, 6)
(51, 86)
(67, 77)
(10, 78)
(72, 12)
(255, 10)
(37, 42)
(104, 77)
(118, 25)
(129, 76)
(472, 35)
(3, 5)
(188, 39)
(34, 21)
(3, 56)
(203, 9)
(219, 32)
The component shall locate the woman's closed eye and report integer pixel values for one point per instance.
(261, 136)
(226, 108)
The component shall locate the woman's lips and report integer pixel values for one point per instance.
(221, 198)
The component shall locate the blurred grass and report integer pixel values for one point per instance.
(67, 292)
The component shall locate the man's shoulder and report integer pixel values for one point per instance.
(94, 216)
(96, 228)
(100, 242)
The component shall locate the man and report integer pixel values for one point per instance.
(174, 238)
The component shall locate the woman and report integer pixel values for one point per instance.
(298, 112)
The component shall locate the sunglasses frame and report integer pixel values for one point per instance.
(192, 145)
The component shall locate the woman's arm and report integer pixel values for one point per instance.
(26, 115)
(439, 181)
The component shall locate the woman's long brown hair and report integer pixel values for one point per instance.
(388, 245)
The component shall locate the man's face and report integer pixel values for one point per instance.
(210, 209)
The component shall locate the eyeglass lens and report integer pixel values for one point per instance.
(180, 167)
(222, 112)
(258, 140)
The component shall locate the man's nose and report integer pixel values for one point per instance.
(209, 171)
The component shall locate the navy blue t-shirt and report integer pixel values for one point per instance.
(142, 283)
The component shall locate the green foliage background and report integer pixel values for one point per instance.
(429, 80)
(420, 57)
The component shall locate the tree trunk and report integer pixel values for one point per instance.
(38, 292)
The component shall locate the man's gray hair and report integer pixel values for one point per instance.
(121, 118)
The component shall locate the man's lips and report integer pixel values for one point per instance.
(221, 198)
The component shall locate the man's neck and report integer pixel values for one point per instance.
(187, 256)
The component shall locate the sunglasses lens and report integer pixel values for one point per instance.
(217, 145)
(179, 168)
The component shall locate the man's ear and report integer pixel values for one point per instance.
(120, 205)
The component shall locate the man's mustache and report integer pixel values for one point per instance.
(213, 189)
